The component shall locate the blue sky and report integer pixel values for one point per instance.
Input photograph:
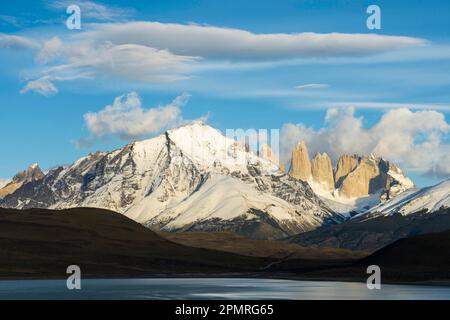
(396, 95)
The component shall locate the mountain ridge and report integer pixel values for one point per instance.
(155, 181)
(428, 199)
(32, 173)
(370, 233)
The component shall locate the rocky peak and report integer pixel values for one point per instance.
(300, 164)
(373, 174)
(366, 178)
(322, 171)
(32, 173)
(354, 176)
(397, 182)
(345, 165)
(267, 153)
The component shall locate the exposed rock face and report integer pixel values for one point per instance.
(322, 171)
(354, 176)
(267, 153)
(344, 166)
(365, 179)
(396, 183)
(300, 164)
(33, 173)
(371, 175)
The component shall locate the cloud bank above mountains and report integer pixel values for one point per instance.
(417, 141)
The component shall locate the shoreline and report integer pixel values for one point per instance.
(279, 276)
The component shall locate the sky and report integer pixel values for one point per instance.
(312, 69)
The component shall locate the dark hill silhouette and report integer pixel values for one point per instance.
(40, 243)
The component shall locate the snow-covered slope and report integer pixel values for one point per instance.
(4, 182)
(429, 199)
(192, 178)
(399, 184)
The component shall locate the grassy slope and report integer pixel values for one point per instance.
(231, 242)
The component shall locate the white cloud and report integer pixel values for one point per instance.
(93, 10)
(387, 105)
(16, 42)
(418, 140)
(152, 52)
(231, 44)
(43, 86)
(312, 86)
(11, 20)
(85, 60)
(127, 119)
(50, 50)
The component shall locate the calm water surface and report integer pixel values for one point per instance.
(213, 288)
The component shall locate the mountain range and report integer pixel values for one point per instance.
(193, 178)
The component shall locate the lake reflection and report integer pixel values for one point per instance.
(213, 288)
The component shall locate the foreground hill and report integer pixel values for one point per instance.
(372, 232)
(428, 251)
(41, 243)
(424, 259)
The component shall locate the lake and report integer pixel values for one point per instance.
(213, 288)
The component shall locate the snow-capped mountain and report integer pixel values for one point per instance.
(425, 200)
(190, 178)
